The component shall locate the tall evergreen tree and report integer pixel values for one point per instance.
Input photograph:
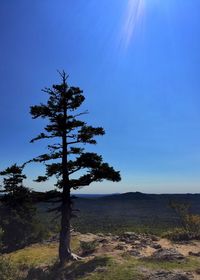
(17, 211)
(66, 158)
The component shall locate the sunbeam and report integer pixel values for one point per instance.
(132, 17)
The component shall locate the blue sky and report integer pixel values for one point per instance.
(138, 62)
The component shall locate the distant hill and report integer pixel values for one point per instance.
(133, 211)
(129, 195)
(140, 195)
(91, 195)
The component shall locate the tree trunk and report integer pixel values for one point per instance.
(64, 245)
(65, 253)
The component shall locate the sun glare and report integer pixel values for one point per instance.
(132, 18)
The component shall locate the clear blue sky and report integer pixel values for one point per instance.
(138, 62)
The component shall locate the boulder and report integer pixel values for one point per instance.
(135, 253)
(131, 236)
(100, 234)
(103, 241)
(197, 271)
(154, 237)
(120, 247)
(194, 254)
(167, 255)
(156, 246)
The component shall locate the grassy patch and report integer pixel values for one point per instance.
(98, 268)
(35, 255)
(39, 254)
(190, 264)
(101, 268)
(79, 270)
(72, 271)
(9, 271)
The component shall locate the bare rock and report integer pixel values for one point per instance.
(154, 238)
(135, 253)
(120, 247)
(156, 246)
(101, 269)
(197, 271)
(103, 241)
(75, 233)
(139, 246)
(100, 234)
(130, 236)
(166, 275)
(115, 238)
(194, 254)
(167, 255)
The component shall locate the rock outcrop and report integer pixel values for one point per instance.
(167, 255)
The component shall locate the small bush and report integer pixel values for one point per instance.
(180, 234)
(88, 247)
(193, 222)
(177, 235)
(190, 223)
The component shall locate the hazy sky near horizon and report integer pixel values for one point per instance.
(138, 63)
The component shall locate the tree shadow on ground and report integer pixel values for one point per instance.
(70, 272)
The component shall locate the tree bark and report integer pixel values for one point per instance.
(65, 253)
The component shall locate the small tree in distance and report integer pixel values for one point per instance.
(17, 211)
(67, 159)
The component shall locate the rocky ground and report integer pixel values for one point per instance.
(144, 246)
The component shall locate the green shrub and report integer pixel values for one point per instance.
(88, 247)
(193, 222)
(18, 214)
(190, 223)
(178, 234)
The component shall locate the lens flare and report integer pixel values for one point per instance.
(132, 18)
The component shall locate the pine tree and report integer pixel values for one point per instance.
(18, 213)
(66, 158)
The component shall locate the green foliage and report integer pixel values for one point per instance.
(19, 225)
(178, 234)
(70, 133)
(193, 224)
(182, 210)
(190, 223)
(88, 247)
